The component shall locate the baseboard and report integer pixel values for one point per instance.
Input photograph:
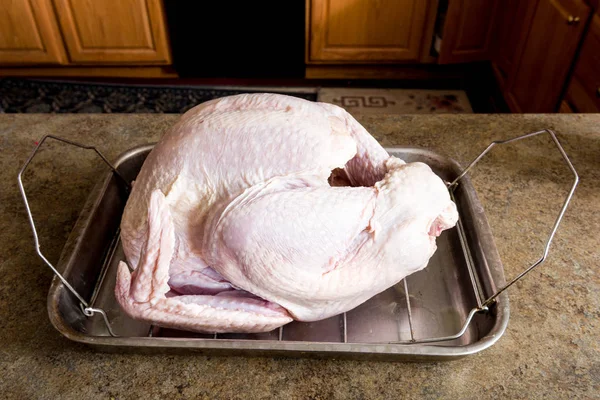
(113, 72)
(406, 72)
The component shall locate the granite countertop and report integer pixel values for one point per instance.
(549, 350)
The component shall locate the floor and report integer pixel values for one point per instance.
(472, 95)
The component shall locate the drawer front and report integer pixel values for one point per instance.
(583, 93)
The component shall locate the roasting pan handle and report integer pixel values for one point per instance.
(452, 185)
(86, 309)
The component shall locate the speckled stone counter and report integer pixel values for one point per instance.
(551, 348)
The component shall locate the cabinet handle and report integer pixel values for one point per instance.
(572, 20)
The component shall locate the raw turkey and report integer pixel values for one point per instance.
(258, 209)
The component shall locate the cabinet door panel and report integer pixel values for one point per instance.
(29, 33)
(547, 57)
(366, 30)
(114, 31)
(467, 33)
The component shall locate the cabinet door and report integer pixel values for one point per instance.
(513, 21)
(114, 31)
(366, 30)
(29, 33)
(583, 93)
(467, 32)
(549, 50)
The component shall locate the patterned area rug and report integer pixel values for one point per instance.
(397, 101)
(38, 96)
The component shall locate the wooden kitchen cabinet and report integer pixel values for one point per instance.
(29, 33)
(548, 54)
(114, 31)
(583, 92)
(467, 31)
(365, 30)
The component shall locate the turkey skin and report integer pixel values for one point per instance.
(258, 209)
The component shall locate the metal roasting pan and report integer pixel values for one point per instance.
(454, 307)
